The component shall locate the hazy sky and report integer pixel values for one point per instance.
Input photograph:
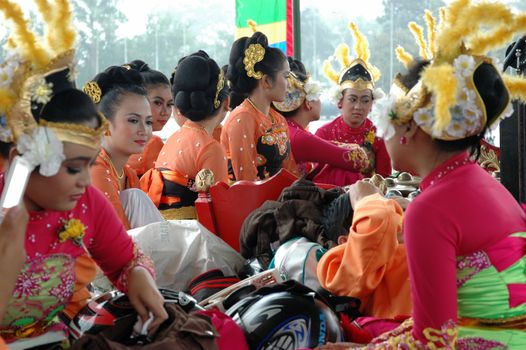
(137, 15)
(138, 11)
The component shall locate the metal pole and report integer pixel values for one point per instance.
(513, 132)
(521, 133)
(391, 55)
(314, 47)
(97, 69)
(296, 18)
(157, 44)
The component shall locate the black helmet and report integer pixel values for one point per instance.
(114, 316)
(111, 310)
(285, 316)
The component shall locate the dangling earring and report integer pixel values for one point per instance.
(403, 140)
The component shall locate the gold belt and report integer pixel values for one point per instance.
(517, 322)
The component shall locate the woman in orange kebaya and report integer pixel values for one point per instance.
(122, 100)
(256, 137)
(160, 97)
(181, 119)
(201, 95)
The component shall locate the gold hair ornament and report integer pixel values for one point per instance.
(220, 86)
(254, 53)
(298, 92)
(92, 89)
(294, 97)
(253, 25)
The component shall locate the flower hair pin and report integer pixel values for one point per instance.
(42, 148)
(312, 90)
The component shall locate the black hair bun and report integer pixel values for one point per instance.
(150, 77)
(412, 76)
(195, 86)
(117, 76)
(198, 53)
(236, 73)
(138, 65)
(298, 68)
(258, 38)
(240, 82)
(492, 90)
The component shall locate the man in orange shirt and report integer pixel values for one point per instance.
(370, 265)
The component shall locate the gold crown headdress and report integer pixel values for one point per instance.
(31, 75)
(355, 73)
(445, 102)
(297, 92)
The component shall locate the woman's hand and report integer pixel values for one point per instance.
(145, 297)
(359, 190)
(12, 251)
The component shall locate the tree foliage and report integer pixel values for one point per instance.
(209, 25)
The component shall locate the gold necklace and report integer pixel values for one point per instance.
(257, 109)
(199, 128)
(253, 104)
(108, 160)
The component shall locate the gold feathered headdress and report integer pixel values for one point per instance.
(35, 70)
(355, 73)
(297, 92)
(445, 102)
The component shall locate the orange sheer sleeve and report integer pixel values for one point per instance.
(241, 134)
(213, 157)
(104, 178)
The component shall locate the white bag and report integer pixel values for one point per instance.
(183, 249)
(297, 259)
(139, 208)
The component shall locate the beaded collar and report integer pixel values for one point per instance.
(445, 168)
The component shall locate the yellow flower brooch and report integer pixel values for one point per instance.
(369, 138)
(73, 229)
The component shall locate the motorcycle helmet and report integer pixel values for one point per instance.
(113, 315)
(285, 317)
(185, 301)
(110, 311)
